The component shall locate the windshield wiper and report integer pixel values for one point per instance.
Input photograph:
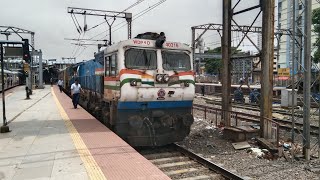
(148, 61)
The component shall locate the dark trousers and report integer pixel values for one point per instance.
(75, 99)
(60, 88)
(202, 90)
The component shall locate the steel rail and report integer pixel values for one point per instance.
(255, 118)
(254, 107)
(212, 166)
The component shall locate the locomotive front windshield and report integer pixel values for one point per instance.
(177, 61)
(141, 59)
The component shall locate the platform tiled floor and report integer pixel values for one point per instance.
(115, 157)
(44, 145)
(39, 146)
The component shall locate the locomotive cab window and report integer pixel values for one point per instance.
(110, 65)
(177, 61)
(113, 65)
(106, 66)
(141, 59)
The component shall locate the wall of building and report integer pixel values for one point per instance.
(285, 22)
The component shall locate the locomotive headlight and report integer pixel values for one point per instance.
(186, 84)
(166, 78)
(159, 78)
(133, 83)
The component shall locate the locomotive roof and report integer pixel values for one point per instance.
(146, 43)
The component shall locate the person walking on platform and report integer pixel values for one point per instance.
(75, 93)
(51, 81)
(60, 84)
(202, 90)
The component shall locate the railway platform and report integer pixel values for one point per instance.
(51, 140)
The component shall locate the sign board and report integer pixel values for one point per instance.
(13, 51)
(282, 78)
(26, 67)
(285, 72)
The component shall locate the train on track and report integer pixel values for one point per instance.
(141, 88)
(11, 79)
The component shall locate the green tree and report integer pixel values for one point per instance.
(214, 66)
(316, 25)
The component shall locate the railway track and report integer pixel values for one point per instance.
(255, 107)
(180, 163)
(240, 116)
(8, 88)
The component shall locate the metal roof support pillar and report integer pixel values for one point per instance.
(193, 46)
(267, 67)
(4, 128)
(40, 86)
(226, 57)
(31, 64)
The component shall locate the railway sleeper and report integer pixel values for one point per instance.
(192, 173)
(202, 177)
(175, 165)
(161, 155)
(183, 171)
(170, 160)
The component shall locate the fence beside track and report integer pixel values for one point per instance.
(237, 117)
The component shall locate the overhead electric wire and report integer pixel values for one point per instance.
(73, 51)
(234, 38)
(142, 13)
(138, 15)
(78, 47)
(131, 6)
(85, 47)
(134, 17)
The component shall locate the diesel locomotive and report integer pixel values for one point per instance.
(141, 88)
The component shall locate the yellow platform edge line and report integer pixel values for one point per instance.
(93, 169)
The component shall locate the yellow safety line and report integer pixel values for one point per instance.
(91, 165)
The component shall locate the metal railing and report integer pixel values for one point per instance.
(237, 118)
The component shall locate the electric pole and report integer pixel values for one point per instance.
(226, 56)
(267, 55)
(307, 79)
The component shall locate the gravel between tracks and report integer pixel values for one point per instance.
(206, 139)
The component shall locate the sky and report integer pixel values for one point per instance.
(52, 24)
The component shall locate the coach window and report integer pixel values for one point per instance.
(106, 66)
(113, 65)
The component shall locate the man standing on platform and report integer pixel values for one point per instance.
(60, 84)
(75, 93)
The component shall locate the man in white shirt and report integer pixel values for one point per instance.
(75, 93)
(60, 84)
